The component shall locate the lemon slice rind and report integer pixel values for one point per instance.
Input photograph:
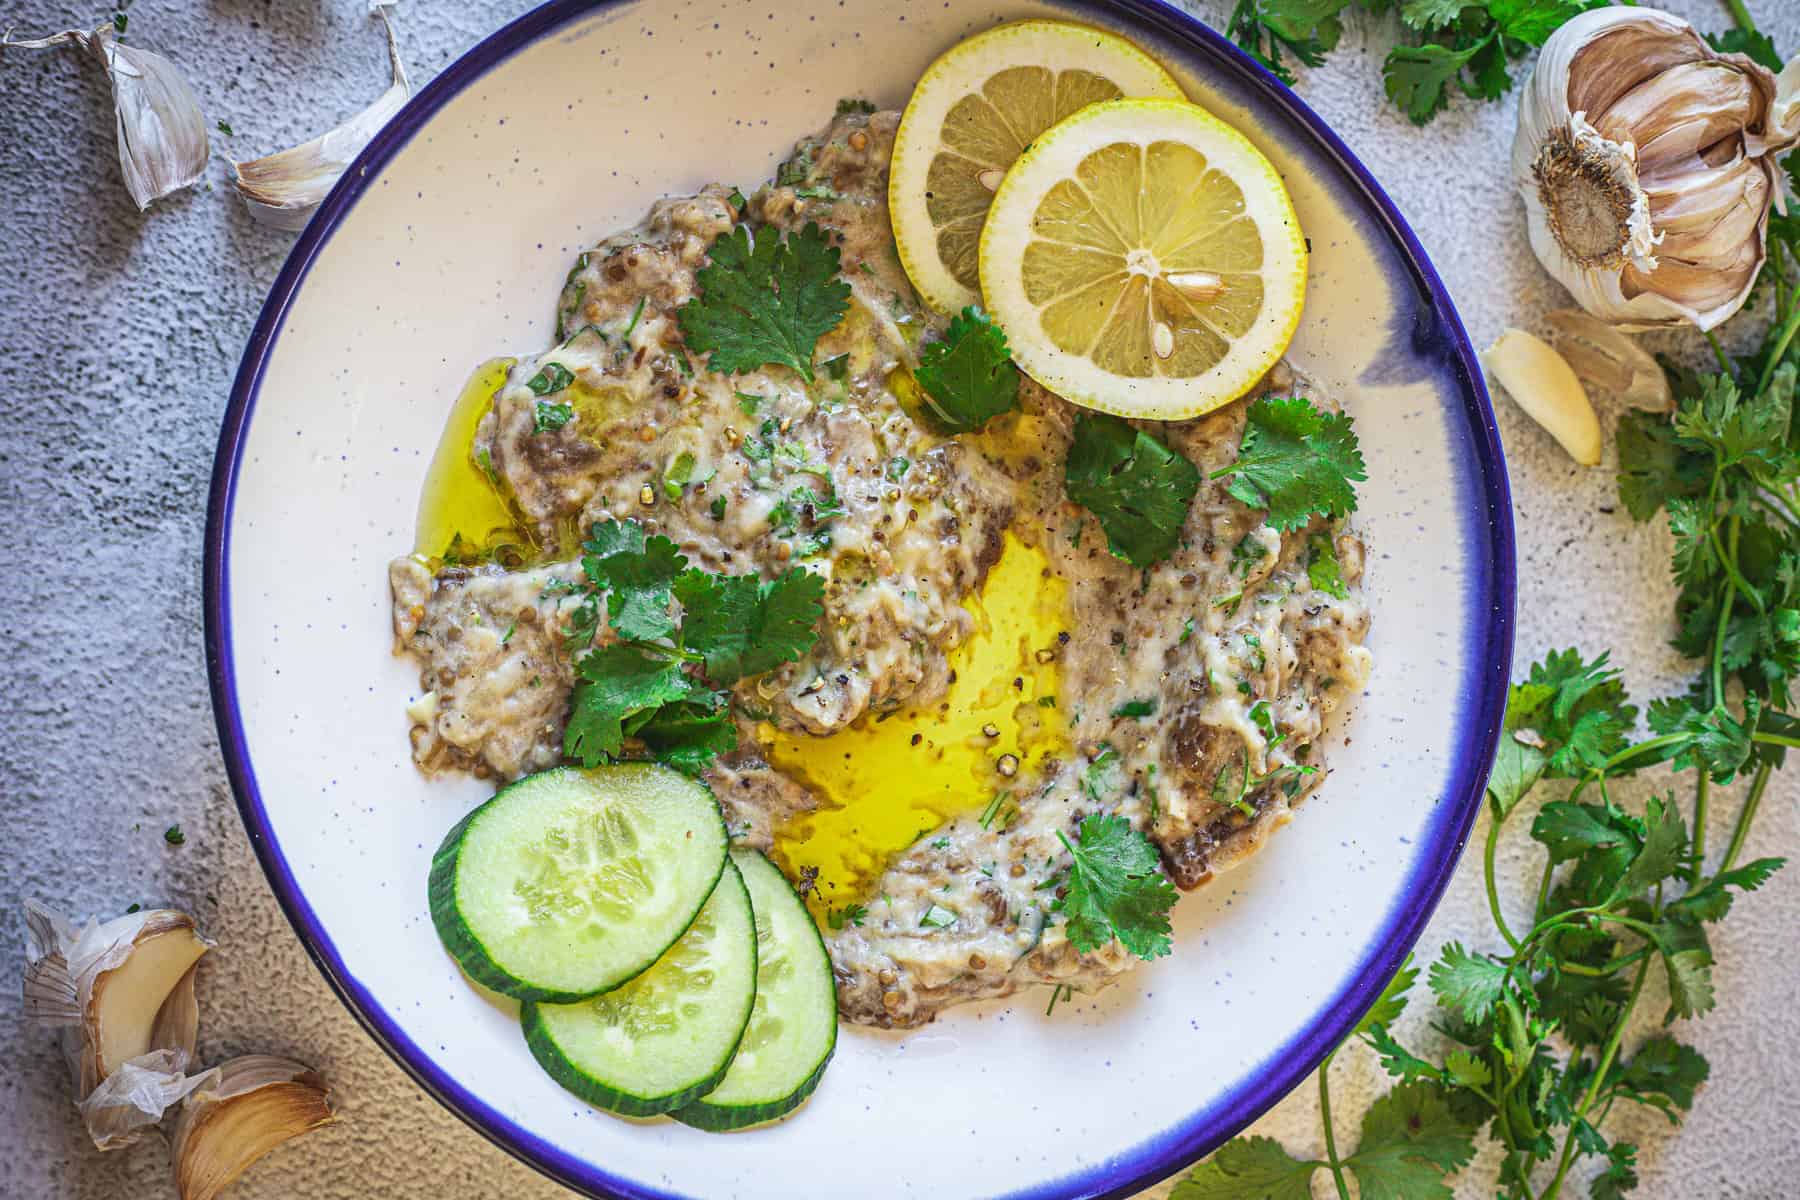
(963, 70)
(1054, 157)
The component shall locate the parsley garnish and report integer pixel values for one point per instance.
(897, 468)
(1136, 487)
(968, 378)
(765, 301)
(1136, 708)
(661, 681)
(1297, 461)
(1116, 889)
(850, 914)
(550, 379)
(548, 417)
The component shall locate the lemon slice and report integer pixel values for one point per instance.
(1145, 260)
(973, 112)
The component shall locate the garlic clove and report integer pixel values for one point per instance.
(123, 1002)
(1545, 386)
(255, 1103)
(1604, 357)
(283, 190)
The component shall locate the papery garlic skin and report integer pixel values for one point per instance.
(1607, 358)
(283, 190)
(1646, 161)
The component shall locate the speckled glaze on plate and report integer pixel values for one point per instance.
(448, 242)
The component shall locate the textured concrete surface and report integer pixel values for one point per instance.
(121, 333)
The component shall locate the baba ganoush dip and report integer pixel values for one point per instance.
(1195, 692)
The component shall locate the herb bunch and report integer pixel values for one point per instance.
(1534, 1046)
(659, 679)
(1447, 46)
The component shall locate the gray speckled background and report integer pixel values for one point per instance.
(120, 335)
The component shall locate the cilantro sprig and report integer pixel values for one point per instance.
(1134, 484)
(681, 636)
(968, 377)
(1115, 889)
(1296, 461)
(765, 300)
(1465, 46)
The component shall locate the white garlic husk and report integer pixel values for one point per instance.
(284, 189)
(122, 992)
(162, 132)
(1646, 160)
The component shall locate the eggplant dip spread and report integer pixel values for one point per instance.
(757, 491)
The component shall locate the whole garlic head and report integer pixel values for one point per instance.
(1646, 160)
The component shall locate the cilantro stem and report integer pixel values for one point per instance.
(1718, 652)
(1606, 968)
(1789, 328)
(1741, 15)
(1698, 852)
(1774, 739)
(1493, 887)
(1712, 339)
(1746, 815)
(1331, 1154)
(1642, 748)
(1543, 892)
(1593, 1089)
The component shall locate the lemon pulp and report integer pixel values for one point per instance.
(1142, 238)
(881, 784)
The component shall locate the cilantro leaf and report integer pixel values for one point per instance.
(765, 301)
(1687, 957)
(1581, 717)
(1654, 466)
(1620, 1175)
(1533, 21)
(1752, 42)
(616, 683)
(1720, 742)
(1136, 487)
(1467, 984)
(744, 626)
(1248, 1168)
(1431, 14)
(1396, 1059)
(1410, 1141)
(1712, 899)
(1663, 1073)
(1116, 889)
(968, 378)
(1663, 852)
(1297, 461)
(1569, 830)
(689, 736)
(1750, 432)
(1415, 77)
(636, 571)
(1392, 1002)
(1322, 567)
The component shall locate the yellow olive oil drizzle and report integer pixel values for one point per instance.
(882, 784)
(465, 512)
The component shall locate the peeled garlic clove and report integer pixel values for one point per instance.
(1604, 357)
(1647, 164)
(253, 1105)
(124, 1002)
(1545, 386)
(283, 190)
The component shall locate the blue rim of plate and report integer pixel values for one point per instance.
(1196, 1134)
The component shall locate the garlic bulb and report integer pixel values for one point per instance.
(284, 189)
(162, 133)
(123, 992)
(252, 1105)
(1646, 160)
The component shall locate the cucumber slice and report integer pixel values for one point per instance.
(668, 1035)
(569, 883)
(793, 1029)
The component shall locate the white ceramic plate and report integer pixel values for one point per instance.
(448, 243)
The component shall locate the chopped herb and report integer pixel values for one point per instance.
(1059, 991)
(1101, 780)
(736, 199)
(1000, 800)
(838, 366)
(850, 914)
(749, 402)
(1322, 567)
(633, 323)
(717, 508)
(174, 836)
(942, 843)
(1046, 701)
(548, 417)
(1135, 708)
(485, 461)
(224, 126)
(1187, 632)
(854, 104)
(937, 917)
(1258, 660)
(550, 379)
(818, 191)
(681, 360)
(135, 908)
(1134, 484)
(897, 468)
(1247, 553)
(507, 636)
